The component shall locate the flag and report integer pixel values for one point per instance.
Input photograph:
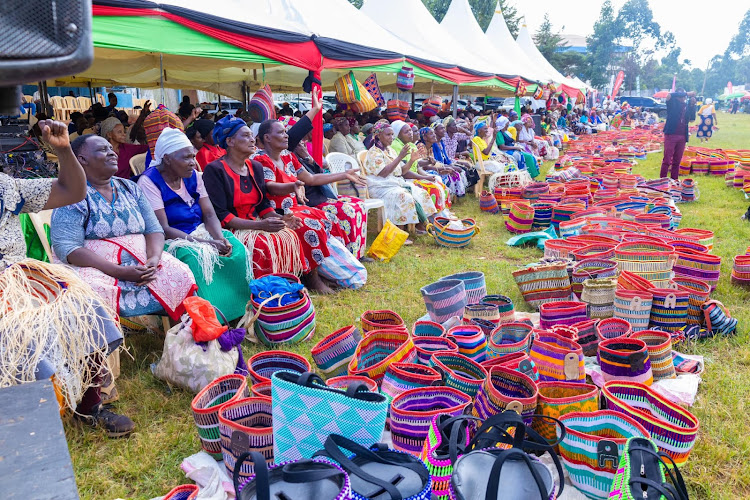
(618, 83)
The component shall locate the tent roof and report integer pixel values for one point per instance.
(527, 45)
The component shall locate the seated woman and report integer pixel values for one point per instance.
(531, 145)
(405, 203)
(342, 141)
(440, 164)
(68, 335)
(178, 197)
(403, 138)
(507, 145)
(485, 138)
(203, 141)
(349, 211)
(113, 130)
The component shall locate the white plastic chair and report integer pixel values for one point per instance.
(340, 162)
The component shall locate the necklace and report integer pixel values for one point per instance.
(114, 192)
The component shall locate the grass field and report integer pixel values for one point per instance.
(147, 464)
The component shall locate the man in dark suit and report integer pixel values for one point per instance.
(680, 111)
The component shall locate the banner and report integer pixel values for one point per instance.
(618, 84)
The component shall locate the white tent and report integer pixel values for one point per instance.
(527, 45)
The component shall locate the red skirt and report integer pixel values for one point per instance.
(351, 217)
(313, 234)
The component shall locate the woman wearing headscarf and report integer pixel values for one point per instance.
(203, 141)
(113, 130)
(238, 192)
(453, 177)
(178, 196)
(386, 174)
(506, 144)
(707, 114)
(531, 146)
(342, 141)
(484, 138)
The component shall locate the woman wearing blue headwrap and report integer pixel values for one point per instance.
(453, 176)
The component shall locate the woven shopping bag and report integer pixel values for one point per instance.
(439, 452)
(348, 90)
(518, 361)
(405, 79)
(486, 312)
(395, 109)
(588, 337)
(459, 372)
(633, 306)
(333, 353)
(592, 446)
(543, 283)
(699, 292)
(378, 350)
(591, 268)
(206, 405)
(625, 359)
(488, 203)
(668, 309)
(599, 294)
(400, 377)
(504, 306)
(261, 106)
(444, 299)
(306, 411)
(388, 242)
(560, 398)
(506, 389)
(613, 328)
(427, 346)
(561, 313)
(520, 218)
(245, 426)
(381, 320)
(659, 345)
(508, 339)
(263, 364)
(557, 358)
(371, 84)
(424, 328)
(474, 285)
(470, 340)
(672, 427)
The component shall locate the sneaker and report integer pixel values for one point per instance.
(116, 425)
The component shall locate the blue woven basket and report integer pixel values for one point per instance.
(474, 284)
(444, 299)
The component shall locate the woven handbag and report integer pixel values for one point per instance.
(344, 381)
(488, 203)
(559, 248)
(347, 90)
(534, 190)
(459, 372)
(471, 341)
(633, 306)
(371, 84)
(426, 346)
(591, 269)
(613, 328)
(508, 339)
(604, 251)
(288, 324)
(699, 292)
(625, 359)
(261, 106)
(486, 312)
(718, 319)
(378, 350)
(405, 79)
(560, 398)
(381, 320)
(659, 345)
(698, 265)
(631, 281)
(592, 447)
(448, 237)
(474, 284)
(542, 215)
(652, 261)
(506, 389)
(245, 426)
(445, 299)
(306, 412)
(520, 218)
(206, 405)
(557, 358)
(423, 328)
(263, 364)
(672, 427)
(561, 313)
(599, 294)
(703, 236)
(543, 283)
(588, 336)
(504, 306)
(395, 110)
(668, 309)
(432, 106)
(333, 353)
(412, 412)
(400, 377)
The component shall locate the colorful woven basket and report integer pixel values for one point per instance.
(288, 324)
(381, 320)
(668, 309)
(518, 361)
(559, 248)
(333, 353)
(698, 265)
(699, 292)
(488, 203)
(484, 325)
(506, 389)
(703, 236)
(504, 306)
(599, 295)
(344, 381)
(262, 365)
(471, 341)
(486, 312)
(560, 398)
(427, 346)
(246, 426)
(652, 261)
(206, 404)
(438, 459)
(588, 336)
(261, 390)
(427, 329)
(400, 377)
(413, 410)
(557, 358)
(520, 218)
(592, 447)
(633, 306)
(542, 215)
(603, 251)
(561, 313)
(452, 238)
(459, 372)
(625, 359)
(543, 283)
(445, 299)
(405, 79)
(659, 345)
(672, 427)
(509, 338)
(380, 349)
(613, 328)
(183, 492)
(631, 281)
(590, 269)
(474, 284)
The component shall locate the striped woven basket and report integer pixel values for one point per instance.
(344, 381)
(333, 352)
(474, 284)
(470, 340)
(603, 251)
(423, 328)
(572, 227)
(613, 328)
(599, 295)
(413, 410)
(543, 283)
(631, 281)
(560, 398)
(633, 306)
(378, 350)
(488, 203)
(445, 299)
(741, 270)
(381, 320)
(246, 426)
(704, 236)
(486, 312)
(504, 306)
(561, 313)
(625, 359)
(569, 332)
(183, 492)
(508, 339)
(668, 309)
(542, 215)
(206, 404)
(287, 324)
(652, 261)
(591, 268)
(592, 447)
(400, 377)
(262, 365)
(427, 346)
(564, 212)
(534, 190)
(459, 372)
(452, 238)
(588, 336)
(261, 390)
(699, 292)
(506, 389)
(557, 358)
(659, 345)
(484, 325)
(698, 265)
(520, 219)
(559, 248)
(518, 361)
(673, 428)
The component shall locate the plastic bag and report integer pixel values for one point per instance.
(342, 267)
(388, 243)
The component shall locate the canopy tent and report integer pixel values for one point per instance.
(580, 84)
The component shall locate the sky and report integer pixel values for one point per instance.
(684, 18)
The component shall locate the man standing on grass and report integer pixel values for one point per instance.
(680, 111)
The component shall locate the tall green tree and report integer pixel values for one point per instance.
(547, 40)
(740, 43)
(601, 46)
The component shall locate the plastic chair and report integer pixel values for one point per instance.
(479, 166)
(138, 164)
(84, 103)
(71, 104)
(59, 107)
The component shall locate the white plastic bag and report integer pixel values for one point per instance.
(342, 267)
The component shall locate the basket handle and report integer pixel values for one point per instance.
(248, 320)
(670, 301)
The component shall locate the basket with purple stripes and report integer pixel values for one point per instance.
(470, 340)
(427, 346)
(400, 377)
(445, 299)
(591, 268)
(333, 352)
(486, 312)
(246, 426)
(474, 285)
(504, 306)
(459, 372)
(424, 328)
(542, 215)
(520, 218)
(508, 339)
(561, 313)
(625, 359)
(588, 336)
(703, 266)
(534, 190)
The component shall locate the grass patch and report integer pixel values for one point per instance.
(147, 464)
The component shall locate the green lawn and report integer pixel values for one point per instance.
(147, 464)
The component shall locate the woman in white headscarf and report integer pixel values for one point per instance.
(707, 114)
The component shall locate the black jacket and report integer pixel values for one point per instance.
(674, 110)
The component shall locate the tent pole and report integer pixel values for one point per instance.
(244, 95)
(455, 101)
(91, 93)
(161, 76)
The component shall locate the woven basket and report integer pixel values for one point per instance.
(625, 359)
(486, 312)
(560, 249)
(413, 410)
(262, 365)
(543, 283)
(459, 372)
(427, 329)
(206, 404)
(631, 281)
(520, 219)
(633, 306)
(699, 292)
(561, 313)
(287, 324)
(509, 338)
(542, 215)
(471, 341)
(659, 345)
(333, 352)
(698, 265)
(560, 398)
(571, 227)
(474, 284)
(613, 328)
(557, 358)
(488, 203)
(599, 294)
(183, 492)
(452, 238)
(518, 361)
(506, 389)
(484, 325)
(261, 390)
(504, 306)
(534, 190)
(673, 428)
(427, 346)
(652, 261)
(588, 336)
(400, 377)
(381, 320)
(246, 425)
(703, 236)
(344, 381)
(603, 251)
(445, 299)
(380, 349)
(668, 309)
(591, 268)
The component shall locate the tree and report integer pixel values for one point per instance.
(637, 26)
(356, 3)
(601, 46)
(740, 44)
(546, 40)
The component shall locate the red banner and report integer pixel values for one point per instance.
(618, 83)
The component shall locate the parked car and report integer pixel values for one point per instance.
(647, 103)
(229, 105)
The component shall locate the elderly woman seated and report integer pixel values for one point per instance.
(506, 144)
(343, 141)
(484, 139)
(113, 130)
(177, 195)
(450, 172)
(386, 173)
